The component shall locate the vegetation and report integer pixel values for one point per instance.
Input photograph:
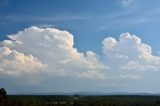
(63, 100)
(77, 100)
(3, 97)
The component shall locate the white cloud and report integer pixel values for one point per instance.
(41, 56)
(50, 51)
(14, 63)
(129, 53)
(37, 48)
(46, 25)
(129, 76)
(126, 3)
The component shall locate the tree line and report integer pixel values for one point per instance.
(77, 100)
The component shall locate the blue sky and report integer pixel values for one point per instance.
(85, 19)
(90, 22)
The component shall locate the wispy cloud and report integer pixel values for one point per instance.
(26, 18)
(126, 3)
(46, 25)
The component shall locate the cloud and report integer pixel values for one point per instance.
(26, 18)
(46, 25)
(49, 50)
(14, 63)
(126, 3)
(129, 76)
(129, 53)
(41, 56)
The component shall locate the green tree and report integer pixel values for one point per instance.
(3, 97)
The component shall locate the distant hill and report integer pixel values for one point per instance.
(89, 93)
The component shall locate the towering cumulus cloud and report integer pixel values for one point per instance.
(40, 53)
(46, 58)
(129, 53)
(50, 51)
(13, 62)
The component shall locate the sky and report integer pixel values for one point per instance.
(79, 46)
